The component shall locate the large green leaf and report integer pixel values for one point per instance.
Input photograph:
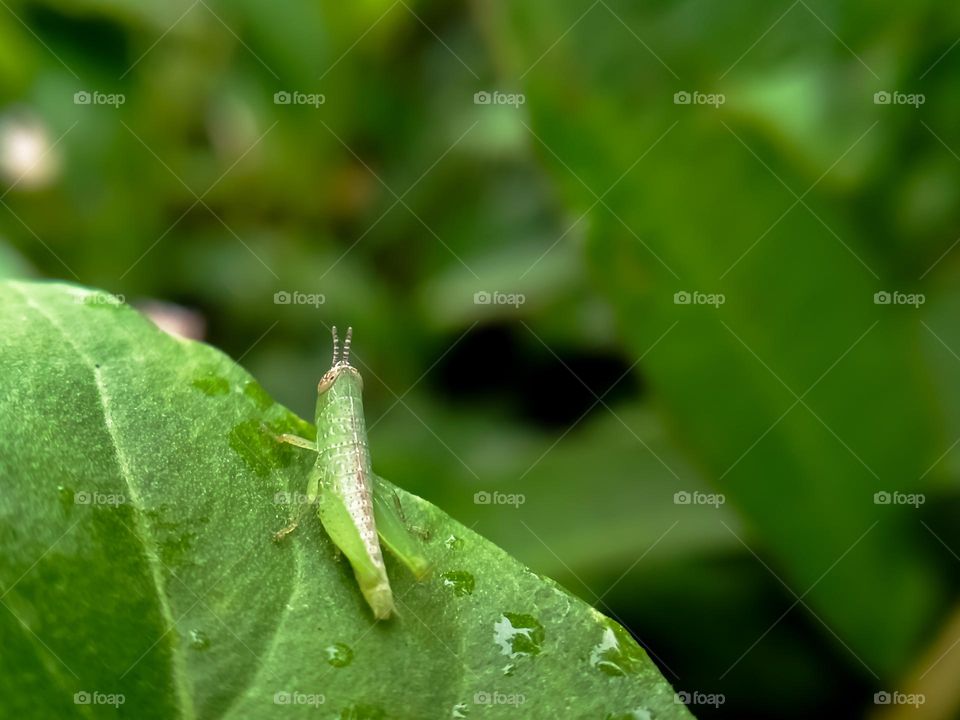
(800, 396)
(139, 498)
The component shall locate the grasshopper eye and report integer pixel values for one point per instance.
(325, 382)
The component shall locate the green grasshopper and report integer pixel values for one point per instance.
(354, 505)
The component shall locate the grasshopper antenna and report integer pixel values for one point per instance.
(346, 346)
(336, 348)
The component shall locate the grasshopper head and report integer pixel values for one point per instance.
(341, 363)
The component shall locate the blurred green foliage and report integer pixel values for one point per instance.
(398, 198)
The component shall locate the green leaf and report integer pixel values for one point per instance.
(800, 396)
(140, 495)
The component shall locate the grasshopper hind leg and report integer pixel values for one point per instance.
(393, 531)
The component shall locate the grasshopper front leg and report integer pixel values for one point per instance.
(297, 441)
(290, 439)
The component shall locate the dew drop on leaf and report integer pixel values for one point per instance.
(199, 640)
(339, 654)
(460, 581)
(518, 635)
(616, 654)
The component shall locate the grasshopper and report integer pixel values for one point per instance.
(357, 508)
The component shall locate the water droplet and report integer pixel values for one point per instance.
(460, 710)
(617, 653)
(460, 581)
(339, 654)
(518, 634)
(453, 543)
(199, 640)
(212, 385)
